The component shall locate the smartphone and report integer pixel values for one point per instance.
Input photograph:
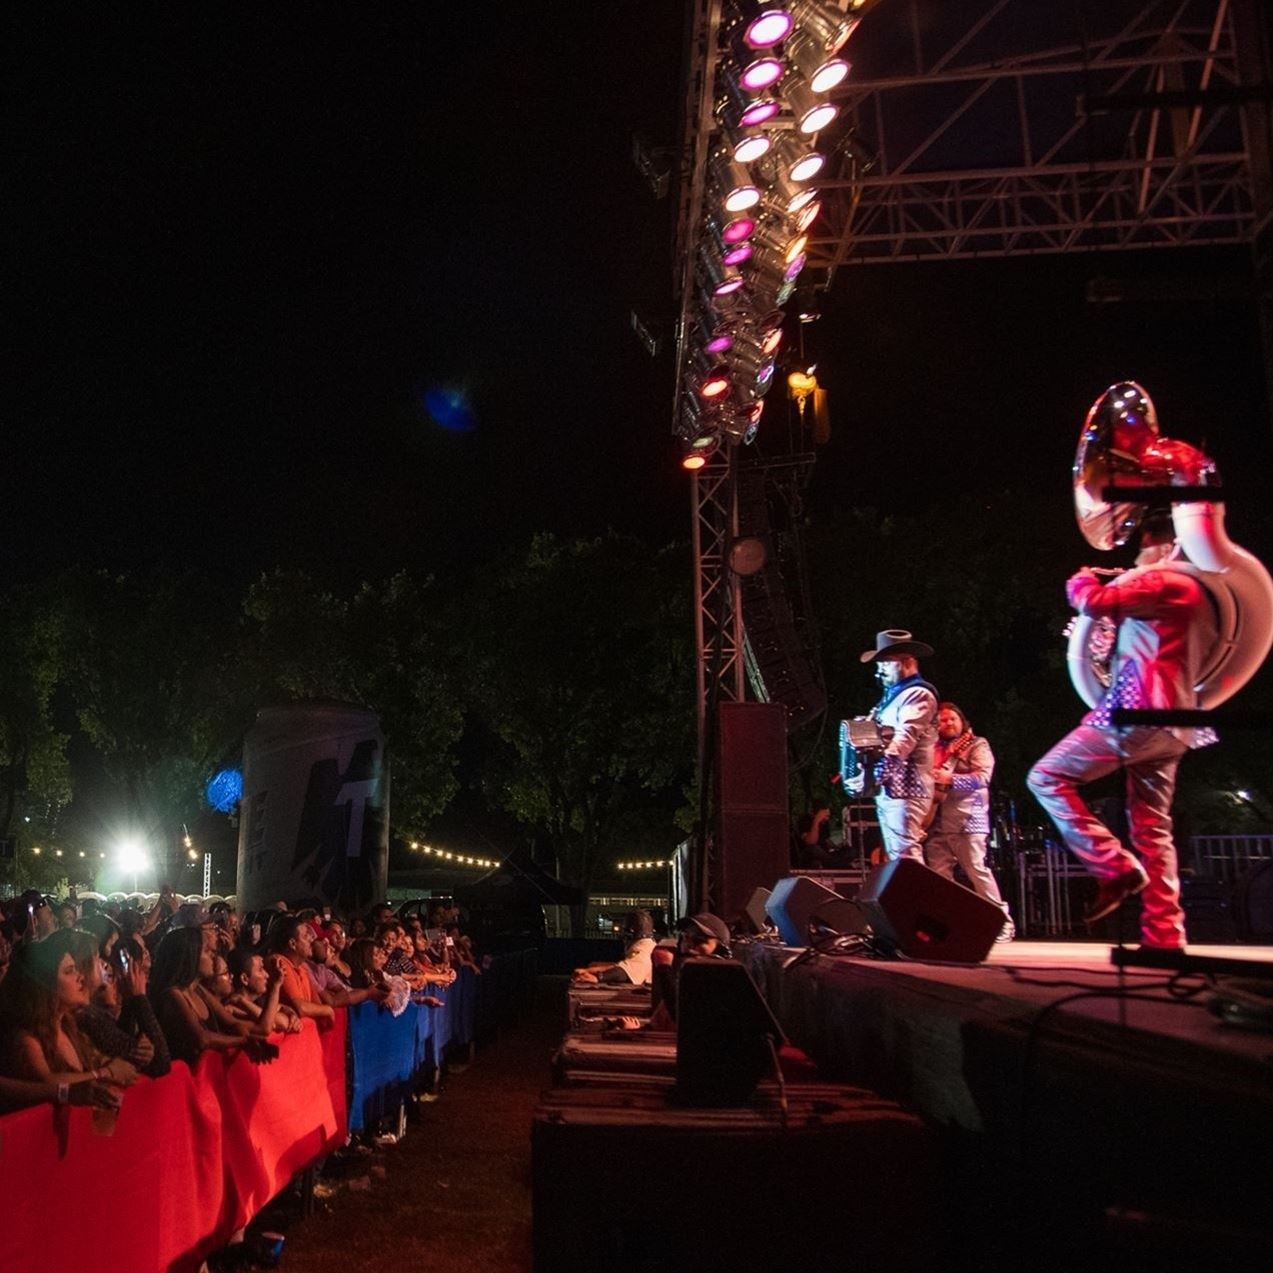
(450, 941)
(327, 914)
(123, 960)
(256, 934)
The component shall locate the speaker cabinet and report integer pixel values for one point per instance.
(754, 912)
(797, 899)
(726, 1037)
(753, 830)
(927, 916)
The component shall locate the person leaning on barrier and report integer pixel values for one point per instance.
(635, 967)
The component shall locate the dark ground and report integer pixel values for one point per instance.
(455, 1193)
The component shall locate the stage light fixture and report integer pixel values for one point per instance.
(694, 460)
(766, 23)
(734, 186)
(823, 23)
(771, 340)
(820, 70)
(712, 335)
(757, 70)
(805, 216)
(761, 111)
(811, 112)
(738, 107)
(747, 147)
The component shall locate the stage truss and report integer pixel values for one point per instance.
(996, 128)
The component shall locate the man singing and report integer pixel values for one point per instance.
(1164, 626)
(904, 774)
(963, 764)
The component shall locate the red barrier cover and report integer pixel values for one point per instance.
(193, 1156)
(149, 1194)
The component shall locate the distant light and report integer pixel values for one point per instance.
(771, 26)
(81, 853)
(131, 855)
(1243, 794)
(36, 850)
(57, 852)
(192, 854)
(449, 408)
(225, 790)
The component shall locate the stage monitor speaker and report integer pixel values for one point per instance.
(796, 900)
(927, 916)
(754, 911)
(724, 1033)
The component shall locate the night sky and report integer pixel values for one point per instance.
(247, 242)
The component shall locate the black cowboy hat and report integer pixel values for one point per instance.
(894, 642)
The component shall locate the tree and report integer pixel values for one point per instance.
(581, 666)
(381, 649)
(35, 773)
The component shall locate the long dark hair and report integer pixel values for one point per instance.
(28, 994)
(176, 961)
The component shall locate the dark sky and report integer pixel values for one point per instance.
(246, 240)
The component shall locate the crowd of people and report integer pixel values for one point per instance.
(94, 994)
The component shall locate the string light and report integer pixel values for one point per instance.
(457, 859)
(643, 866)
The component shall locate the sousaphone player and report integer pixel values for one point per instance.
(1184, 629)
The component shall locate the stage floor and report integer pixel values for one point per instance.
(1081, 1093)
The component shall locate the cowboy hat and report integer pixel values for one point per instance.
(895, 642)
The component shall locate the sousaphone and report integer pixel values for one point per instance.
(1120, 446)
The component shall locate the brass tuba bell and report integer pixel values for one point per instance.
(1120, 445)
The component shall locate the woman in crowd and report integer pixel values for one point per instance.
(367, 964)
(191, 1022)
(252, 993)
(120, 1020)
(338, 948)
(39, 1000)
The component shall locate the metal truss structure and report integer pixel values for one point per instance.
(994, 128)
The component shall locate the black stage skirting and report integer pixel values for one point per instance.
(1088, 1117)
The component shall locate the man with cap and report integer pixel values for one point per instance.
(904, 774)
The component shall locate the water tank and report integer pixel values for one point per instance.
(314, 821)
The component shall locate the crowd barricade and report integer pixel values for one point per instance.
(193, 1156)
(190, 1157)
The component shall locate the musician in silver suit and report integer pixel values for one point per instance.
(904, 774)
(1164, 624)
(961, 811)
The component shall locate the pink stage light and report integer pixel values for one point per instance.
(761, 74)
(737, 255)
(728, 287)
(759, 112)
(738, 229)
(719, 343)
(795, 267)
(771, 26)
